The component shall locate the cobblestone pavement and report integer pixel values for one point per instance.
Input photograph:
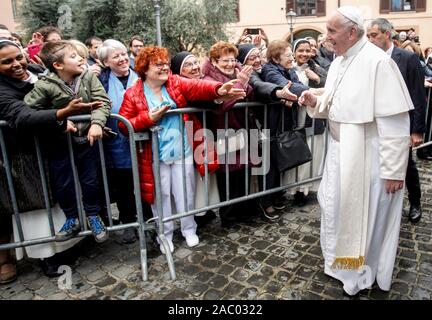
(279, 260)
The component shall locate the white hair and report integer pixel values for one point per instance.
(107, 46)
(359, 27)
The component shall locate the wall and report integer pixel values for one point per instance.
(6, 15)
(270, 15)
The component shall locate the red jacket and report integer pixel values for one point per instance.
(135, 109)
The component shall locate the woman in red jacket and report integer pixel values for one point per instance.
(145, 105)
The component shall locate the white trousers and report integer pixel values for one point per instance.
(171, 184)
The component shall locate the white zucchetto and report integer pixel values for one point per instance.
(352, 13)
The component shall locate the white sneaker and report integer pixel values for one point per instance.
(170, 244)
(192, 240)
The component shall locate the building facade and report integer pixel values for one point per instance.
(9, 13)
(270, 15)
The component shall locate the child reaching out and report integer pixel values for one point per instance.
(69, 79)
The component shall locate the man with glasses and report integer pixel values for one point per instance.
(136, 43)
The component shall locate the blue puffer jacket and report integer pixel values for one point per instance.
(117, 149)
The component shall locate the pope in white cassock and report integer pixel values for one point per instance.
(366, 103)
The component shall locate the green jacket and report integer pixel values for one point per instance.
(51, 92)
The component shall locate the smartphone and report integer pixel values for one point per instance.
(34, 50)
(110, 133)
(253, 31)
(165, 103)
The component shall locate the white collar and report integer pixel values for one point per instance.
(355, 48)
(390, 51)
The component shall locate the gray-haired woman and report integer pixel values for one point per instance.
(116, 78)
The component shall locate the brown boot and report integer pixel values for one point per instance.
(8, 272)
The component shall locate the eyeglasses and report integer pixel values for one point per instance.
(253, 58)
(226, 61)
(161, 65)
(290, 56)
(190, 65)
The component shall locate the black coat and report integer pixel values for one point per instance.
(23, 123)
(410, 67)
(277, 74)
(13, 110)
(264, 92)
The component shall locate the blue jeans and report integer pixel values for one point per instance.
(87, 162)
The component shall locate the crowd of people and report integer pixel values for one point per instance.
(50, 79)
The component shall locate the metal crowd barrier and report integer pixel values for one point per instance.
(156, 165)
(428, 133)
(140, 224)
(156, 223)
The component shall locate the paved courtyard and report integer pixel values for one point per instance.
(260, 260)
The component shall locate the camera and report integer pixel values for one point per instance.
(253, 31)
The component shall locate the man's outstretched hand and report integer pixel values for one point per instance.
(308, 99)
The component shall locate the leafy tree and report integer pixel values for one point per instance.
(38, 13)
(192, 25)
(96, 17)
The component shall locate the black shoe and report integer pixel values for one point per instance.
(300, 199)
(269, 216)
(49, 267)
(229, 224)
(415, 214)
(424, 155)
(129, 236)
(279, 204)
(204, 220)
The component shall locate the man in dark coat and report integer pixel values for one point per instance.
(409, 65)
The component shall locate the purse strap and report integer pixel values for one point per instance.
(282, 118)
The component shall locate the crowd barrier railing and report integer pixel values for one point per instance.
(156, 223)
(139, 224)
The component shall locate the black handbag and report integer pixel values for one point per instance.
(290, 149)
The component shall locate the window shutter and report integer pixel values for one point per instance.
(321, 8)
(385, 6)
(237, 10)
(289, 5)
(421, 5)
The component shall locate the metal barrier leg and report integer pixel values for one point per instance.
(133, 138)
(7, 166)
(160, 229)
(44, 186)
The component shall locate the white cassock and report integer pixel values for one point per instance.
(367, 103)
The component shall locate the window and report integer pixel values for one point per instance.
(387, 6)
(402, 5)
(307, 7)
